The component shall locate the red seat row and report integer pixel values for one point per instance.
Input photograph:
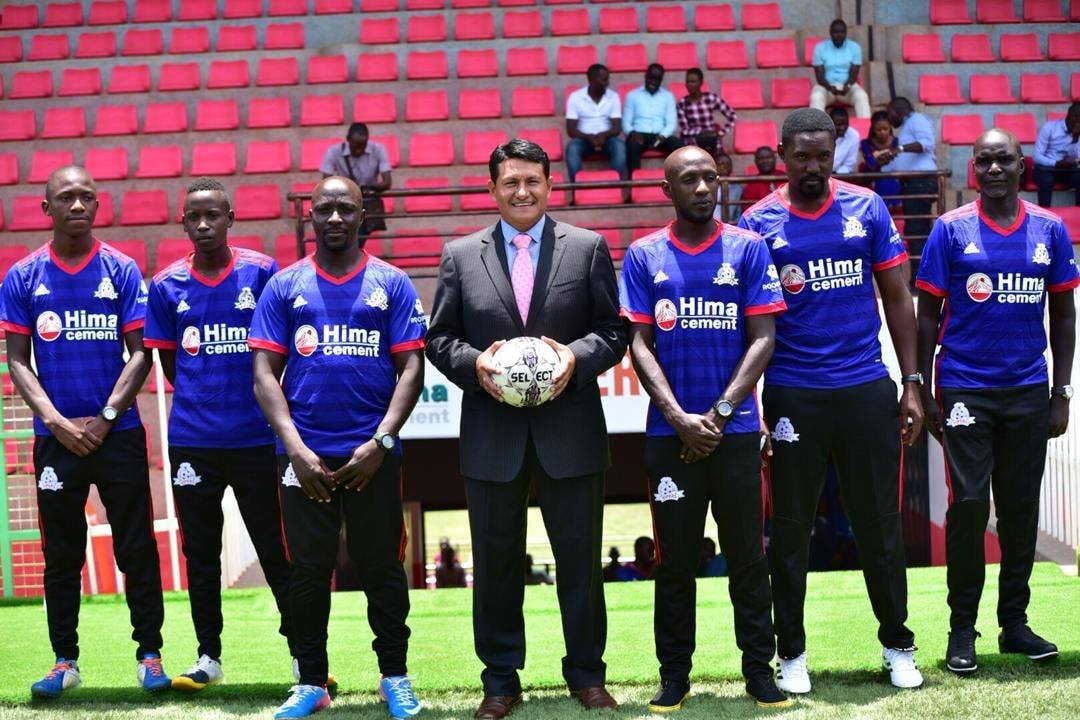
(965, 129)
(976, 48)
(114, 12)
(1034, 88)
(955, 12)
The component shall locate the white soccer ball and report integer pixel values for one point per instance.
(528, 368)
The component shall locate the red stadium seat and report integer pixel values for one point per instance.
(972, 48)
(26, 211)
(790, 92)
(11, 49)
(993, 12)
(393, 150)
(714, 18)
(991, 89)
(474, 26)
(74, 81)
(134, 249)
(105, 216)
(115, 120)
(287, 8)
(160, 161)
(665, 19)
(31, 84)
(428, 203)
(726, 55)
(614, 21)
(165, 118)
(1021, 48)
(808, 50)
(1064, 46)
(526, 61)
(129, 79)
(107, 163)
(1074, 87)
(961, 129)
(189, 41)
(426, 65)
(1071, 216)
(217, 115)
(48, 47)
(228, 74)
(762, 16)
(750, 135)
(379, 32)
(776, 53)
(268, 157)
(1022, 125)
(67, 122)
(324, 69)
(425, 4)
(42, 164)
(277, 71)
(1043, 11)
(551, 139)
(422, 105)
(63, 15)
(19, 17)
(1040, 88)
(527, 24)
(153, 11)
(269, 113)
(178, 76)
(108, 12)
(597, 196)
(312, 151)
(144, 207)
(940, 90)
(169, 250)
(645, 194)
(922, 49)
(421, 248)
(322, 110)
(285, 251)
(557, 197)
(213, 159)
(431, 150)
(627, 58)
(949, 12)
(338, 7)
(532, 102)
(571, 22)
(17, 125)
(375, 108)
(575, 60)
(235, 9)
(96, 45)
(476, 201)
(478, 146)
(143, 42)
(1074, 10)
(197, 10)
(745, 94)
(479, 103)
(258, 202)
(9, 169)
(677, 56)
(477, 63)
(284, 36)
(426, 28)
(377, 67)
(236, 38)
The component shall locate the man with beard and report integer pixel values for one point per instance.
(827, 391)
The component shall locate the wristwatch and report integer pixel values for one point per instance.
(916, 378)
(110, 414)
(724, 409)
(385, 440)
(1065, 391)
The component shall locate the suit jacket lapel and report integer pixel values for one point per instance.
(552, 246)
(493, 256)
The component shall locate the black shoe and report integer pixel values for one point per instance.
(670, 697)
(960, 657)
(765, 693)
(1020, 639)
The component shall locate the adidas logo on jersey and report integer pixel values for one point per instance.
(299, 301)
(182, 306)
(105, 290)
(378, 299)
(41, 290)
(853, 228)
(185, 476)
(668, 490)
(1041, 256)
(725, 275)
(659, 277)
(785, 431)
(779, 243)
(245, 300)
(289, 479)
(49, 480)
(971, 249)
(959, 416)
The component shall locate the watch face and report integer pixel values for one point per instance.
(109, 414)
(387, 441)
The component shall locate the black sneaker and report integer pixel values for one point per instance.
(670, 697)
(765, 693)
(1020, 639)
(960, 657)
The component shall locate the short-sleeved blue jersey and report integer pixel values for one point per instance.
(206, 321)
(696, 298)
(338, 335)
(994, 281)
(77, 317)
(828, 338)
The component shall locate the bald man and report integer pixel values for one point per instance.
(995, 260)
(77, 303)
(350, 329)
(700, 299)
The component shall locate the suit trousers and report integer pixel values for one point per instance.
(573, 511)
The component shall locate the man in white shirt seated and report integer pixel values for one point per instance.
(846, 155)
(594, 124)
(1057, 156)
(836, 66)
(649, 119)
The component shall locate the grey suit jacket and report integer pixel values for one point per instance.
(575, 301)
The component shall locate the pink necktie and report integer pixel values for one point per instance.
(521, 276)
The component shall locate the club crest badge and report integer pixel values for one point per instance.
(49, 480)
(105, 290)
(959, 416)
(785, 431)
(725, 275)
(245, 300)
(1042, 255)
(853, 228)
(289, 479)
(668, 490)
(185, 476)
(378, 299)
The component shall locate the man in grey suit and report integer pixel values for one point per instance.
(529, 275)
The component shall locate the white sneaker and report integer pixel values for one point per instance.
(205, 671)
(903, 672)
(792, 677)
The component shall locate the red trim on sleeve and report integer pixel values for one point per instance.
(636, 317)
(154, 343)
(1059, 287)
(9, 326)
(933, 289)
(133, 325)
(770, 309)
(893, 262)
(417, 344)
(260, 344)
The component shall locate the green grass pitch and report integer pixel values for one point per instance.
(844, 658)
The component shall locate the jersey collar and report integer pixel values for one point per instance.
(211, 282)
(997, 228)
(74, 270)
(345, 278)
(700, 248)
(799, 213)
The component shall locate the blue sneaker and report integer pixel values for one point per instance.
(151, 675)
(63, 676)
(397, 691)
(305, 700)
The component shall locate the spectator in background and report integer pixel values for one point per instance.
(534, 576)
(367, 164)
(594, 123)
(836, 66)
(711, 565)
(846, 155)
(765, 161)
(914, 152)
(449, 572)
(877, 152)
(611, 570)
(644, 561)
(697, 115)
(649, 119)
(1057, 156)
(724, 168)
